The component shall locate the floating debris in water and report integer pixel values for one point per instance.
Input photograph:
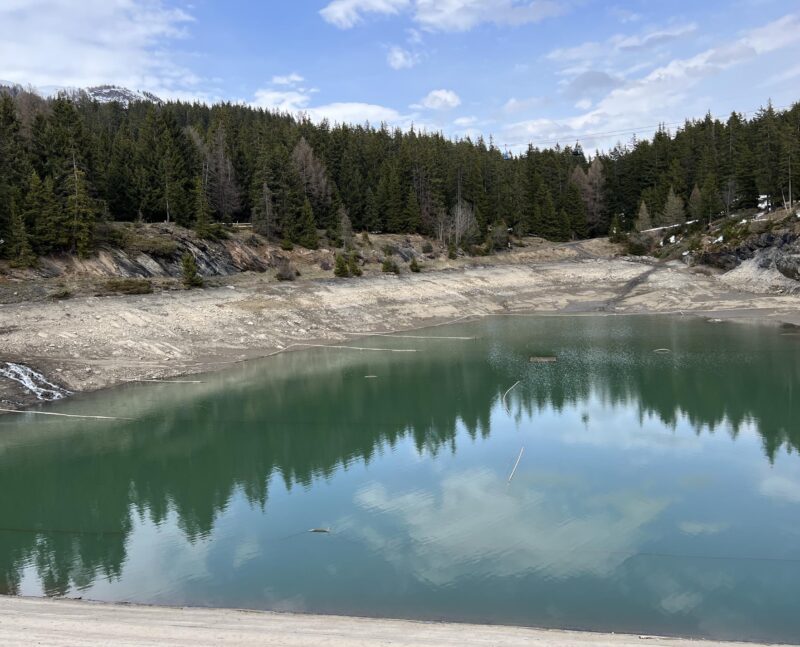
(662, 350)
(321, 531)
(34, 382)
(370, 377)
(543, 359)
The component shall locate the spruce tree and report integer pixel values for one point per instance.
(20, 252)
(411, 214)
(711, 202)
(307, 228)
(81, 212)
(202, 211)
(673, 213)
(191, 278)
(643, 221)
(696, 204)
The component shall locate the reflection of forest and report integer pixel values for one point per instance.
(68, 497)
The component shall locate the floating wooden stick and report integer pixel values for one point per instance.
(503, 399)
(516, 465)
(63, 415)
(545, 359)
(172, 381)
(662, 350)
(394, 336)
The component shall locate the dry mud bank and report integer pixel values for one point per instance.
(58, 623)
(89, 343)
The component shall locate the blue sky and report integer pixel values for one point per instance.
(521, 71)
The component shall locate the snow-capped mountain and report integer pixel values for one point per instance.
(100, 93)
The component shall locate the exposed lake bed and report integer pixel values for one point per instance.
(655, 494)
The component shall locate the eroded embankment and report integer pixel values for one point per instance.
(89, 343)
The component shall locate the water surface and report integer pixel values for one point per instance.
(657, 492)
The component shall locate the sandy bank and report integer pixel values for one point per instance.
(27, 621)
(89, 343)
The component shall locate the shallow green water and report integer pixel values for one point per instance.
(657, 493)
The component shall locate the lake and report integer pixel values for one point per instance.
(647, 481)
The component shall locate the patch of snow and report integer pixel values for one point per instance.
(719, 239)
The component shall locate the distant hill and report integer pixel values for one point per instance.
(100, 93)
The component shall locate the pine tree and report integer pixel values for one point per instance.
(411, 214)
(20, 253)
(191, 278)
(696, 205)
(550, 225)
(673, 213)
(341, 268)
(307, 228)
(202, 212)
(710, 203)
(81, 212)
(643, 221)
(371, 218)
(575, 210)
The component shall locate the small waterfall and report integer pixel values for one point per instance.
(35, 382)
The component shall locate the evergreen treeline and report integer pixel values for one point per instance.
(68, 163)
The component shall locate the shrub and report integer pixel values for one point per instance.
(452, 253)
(287, 245)
(390, 266)
(285, 271)
(325, 265)
(342, 267)
(414, 266)
(127, 286)
(191, 279)
(353, 266)
(427, 248)
(389, 250)
(365, 238)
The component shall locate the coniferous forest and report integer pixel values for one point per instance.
(68, 164)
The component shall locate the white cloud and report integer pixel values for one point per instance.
(399, 58)
(358, 113)
(664, 94)
(348, 13)
(445, 15)
(781, 488)
(439, 100)
(289, 79)
(121, 42)
(514, 105)
(463, 122)
(463, 15)
(282, 101)
(447, 534)
(654, 38)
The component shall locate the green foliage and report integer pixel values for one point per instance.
(191, 278)
(287, 245)
(20, 250)
(341, 267)
(307, 228)
(414, 266)
(427, 248)
(81, 211)
(353, 265)
(390, 266)
(75, 160)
